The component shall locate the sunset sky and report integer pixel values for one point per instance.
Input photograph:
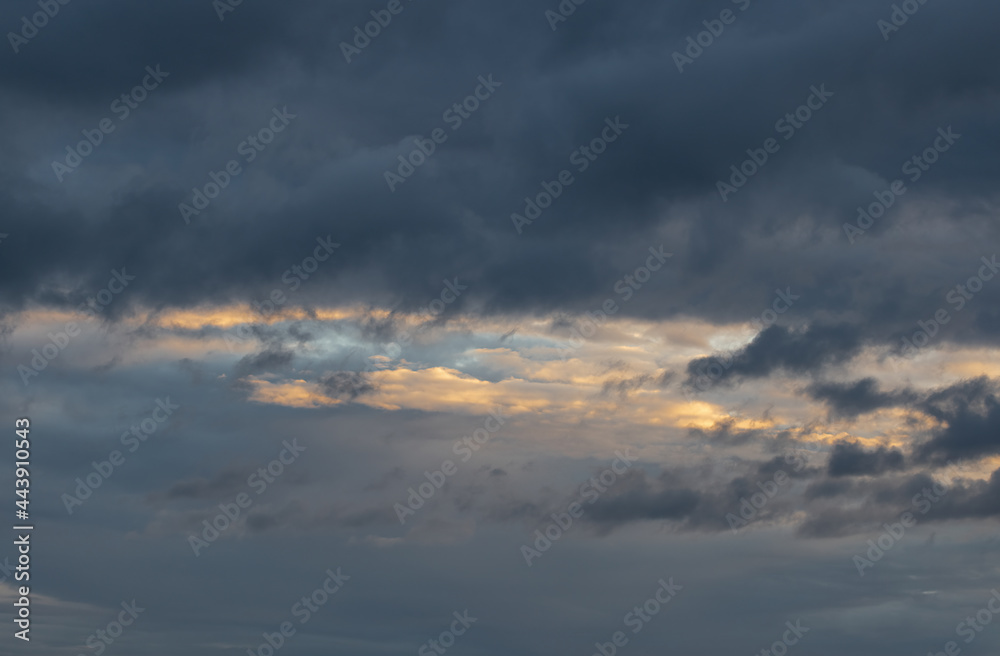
(509, 327)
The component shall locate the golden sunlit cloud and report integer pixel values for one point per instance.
(524, 364)
(293, 394)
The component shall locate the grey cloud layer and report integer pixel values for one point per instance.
(324, 176)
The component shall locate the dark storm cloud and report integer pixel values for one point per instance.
(880, 500)
(883, 499)
(791, 463)
(968, 411)
(827, 507)
(826, 488)
(971, 412)
(852, 459)
(857, 491)
(452, 215)
(656, 184)
(638, 498)
(114, 41)
(270, 360)
(697, 498)
(348, 385)
(975, 499)
(857, 398)
(687, 504)
(778, 348)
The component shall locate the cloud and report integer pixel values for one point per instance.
(348, 385)
(856, 398)
(778, 348)
(852, 459)
(637, 498)
(817, 378)
(227, 481)
(971, 413)
(268, 361)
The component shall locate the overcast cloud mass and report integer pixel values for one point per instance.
(559, 328)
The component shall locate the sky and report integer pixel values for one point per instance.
(561, 328)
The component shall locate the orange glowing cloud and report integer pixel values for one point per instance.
(293, 393)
